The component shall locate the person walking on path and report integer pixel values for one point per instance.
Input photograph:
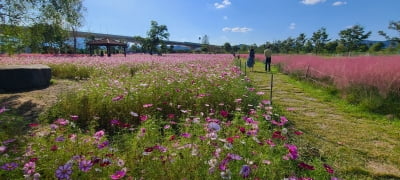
(251, 61)
(268, 54)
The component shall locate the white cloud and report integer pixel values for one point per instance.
(339, 3)
(223, 4)
(225, 17)
(236, 29)
(312, 2)
(292, 26)
(349, 26)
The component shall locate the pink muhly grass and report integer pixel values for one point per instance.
(381, 72)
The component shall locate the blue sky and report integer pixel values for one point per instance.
(239, 21)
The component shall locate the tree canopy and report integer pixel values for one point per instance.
(352, 37)
(156, 35)
(19, 14)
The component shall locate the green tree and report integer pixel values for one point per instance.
(14, 14)
(17, 13)
(288, 45)
(163, 47)
(319, 39)
(308, 47)
(300, 42)
(63, 13)
(393, 25)
(235, 49)
(156, 35)
(376, 47)
(340, 48)
(12, 38)
(352, 37)
(143, 42)
(74, 17)
(227, 47)
(331, 47)
(46, 38)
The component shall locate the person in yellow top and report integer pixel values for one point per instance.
(268, 54)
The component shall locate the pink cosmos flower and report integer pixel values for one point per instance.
(147, 105)
(251, 89)
(61, 121)
(260, 93)
(171, 116)
(278, 135)
(99, 134)
(3, 109)
(74, 117)
(266, 102)
(3, 149)
(72, 137)
(118, 174)
(186, 135)
(117, 98)
(298, 133)
(33, 125)
(281, 123)
(293, 154)
(143, 118)
(270, 143)
(224, 113)
(242, 130)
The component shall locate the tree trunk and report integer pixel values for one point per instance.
(74, 34)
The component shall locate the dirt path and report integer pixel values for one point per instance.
(359, 147)
(30, 104)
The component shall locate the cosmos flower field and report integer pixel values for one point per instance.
(180, 116)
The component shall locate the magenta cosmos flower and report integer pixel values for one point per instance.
(186, 135)
(293, 154)
(29, 168)
(118, 175)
